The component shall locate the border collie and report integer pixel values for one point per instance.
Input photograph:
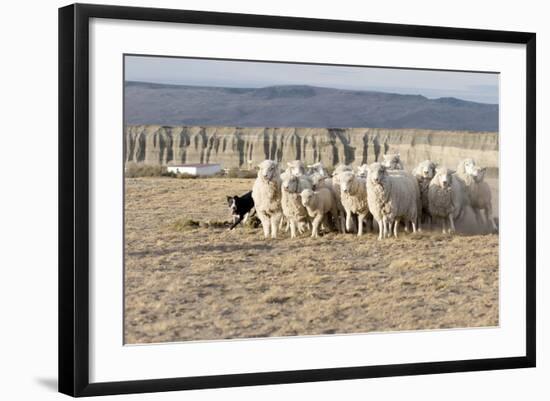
(240, 207)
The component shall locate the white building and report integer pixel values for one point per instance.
(195, 169)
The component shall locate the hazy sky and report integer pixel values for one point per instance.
(478, 87)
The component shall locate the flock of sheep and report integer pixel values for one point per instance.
(309, 198)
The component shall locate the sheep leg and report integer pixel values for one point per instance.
(360, 218)
(413, 224)
(265, 223)
(348, 220)
(452, 224)
(395, 225)
(444, 225)
(275, 219)
(316, 223)
(380, 229)
(292, 223)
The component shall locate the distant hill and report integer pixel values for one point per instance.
(300, 106)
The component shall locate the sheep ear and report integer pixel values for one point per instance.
(452, 171)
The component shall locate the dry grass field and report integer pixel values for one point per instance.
(201, 282)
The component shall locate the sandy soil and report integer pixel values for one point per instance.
(203, 283)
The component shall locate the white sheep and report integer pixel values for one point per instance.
(392, 161)
(443, 189)
(266, 194)
(424, 173)
(392, 198)
(480, 198)
(354, 199)
(296, 167)
(319, 176)
(464, 171)
(320, 205)
(362, 170)
(318, 168)
(335, 182)
(291, 202)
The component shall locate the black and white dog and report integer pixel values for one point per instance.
(240, 207)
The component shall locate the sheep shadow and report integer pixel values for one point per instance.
(227, 247)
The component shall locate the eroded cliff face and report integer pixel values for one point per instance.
(246, 147)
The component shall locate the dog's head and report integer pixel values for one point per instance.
(232, 203)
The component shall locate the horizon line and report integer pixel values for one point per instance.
(307, 85)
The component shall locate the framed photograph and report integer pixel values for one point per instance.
(251, 199)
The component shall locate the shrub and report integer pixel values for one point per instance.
(133, 170)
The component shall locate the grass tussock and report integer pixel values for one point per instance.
(185, 225)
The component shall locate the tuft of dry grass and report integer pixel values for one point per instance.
(188, 278)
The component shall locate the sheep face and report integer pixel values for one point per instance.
(317, 179)
(467, 166)
(268, 170)
(362, 171)
(377, 173)
(296, 167)
(291, 184)
(443, 178)
(478, 174)
(307, 197)
(426, 169)
(346, 182)
(392, 161)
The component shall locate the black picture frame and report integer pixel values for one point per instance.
(74, 199)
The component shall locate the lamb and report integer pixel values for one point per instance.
(354, 199)
(440, 195)
(424, 173)
(392, 198)
(320, 206)
(480, 198)
(266, 194)
(392, 161)
(291, 202)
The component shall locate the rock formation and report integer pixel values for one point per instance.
(246, 147)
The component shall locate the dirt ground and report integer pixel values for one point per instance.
(186, 282)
